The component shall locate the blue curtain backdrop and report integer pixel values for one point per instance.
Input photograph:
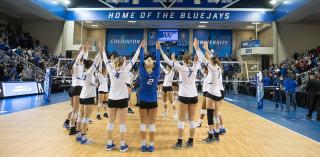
(123, 41)
(219, 40)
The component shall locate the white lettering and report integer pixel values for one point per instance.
(171, 15)
(182, 15)
(117, 15)
(142, 15)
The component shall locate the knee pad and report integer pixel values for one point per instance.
(216, 120)
(79, 120)
(203, 111)
(85, 120)
(99, 104)
(74, 115)
(210, 116)
(123, 128)
(110, 126)
(192, 125)
(180, 124)
(152, 128)
(143, 127)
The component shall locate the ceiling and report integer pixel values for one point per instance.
(24, 9)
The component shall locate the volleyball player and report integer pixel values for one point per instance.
(66, 123)
(87, 96)
(167, 90)
(129, 82)
(118, 96)
(77, 72)
(215, 91)
(149, 77)
(103, 91)
(203, 110)
(187, 94)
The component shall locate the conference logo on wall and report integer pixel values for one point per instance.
(152, 37)
(219, 40)
(124, 42)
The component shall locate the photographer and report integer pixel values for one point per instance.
(313, 88)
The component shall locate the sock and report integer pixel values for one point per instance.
(109, 142)
(122, 143)
(98, 113)
(179, 140)
(151, 143)
(199, 121)
(221, 126)
(190, 140)
(143, 142)
(210, 136)
(216, 130)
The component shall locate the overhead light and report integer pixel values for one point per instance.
(55, 2)
(202, 26)
(286, 2)
(94, 25)
(66, 2)
(273, 2)
(132, 21)
(203, 22)
(88, 21)
(256, 23)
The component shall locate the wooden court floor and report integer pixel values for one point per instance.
(38, 133)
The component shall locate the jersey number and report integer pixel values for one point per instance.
(190, 72)
(84, 77)
(150, 81)
(117, 75)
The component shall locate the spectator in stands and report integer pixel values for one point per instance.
(267, 79)
(283, 70)
(277, 92)
(290, 86)
(313, 89)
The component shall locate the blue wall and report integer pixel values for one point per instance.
(219, 40)
(123, 41)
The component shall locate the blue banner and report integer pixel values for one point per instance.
(219, 40)
(250, 43)
(171, 15)
(123, 41)
(47, 86)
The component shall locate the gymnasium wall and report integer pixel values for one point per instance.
(49, 33)
(266, 37)
(296, 38)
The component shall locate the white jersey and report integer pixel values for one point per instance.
(168, 78)
(89, 80)
(119, 78)
(103, 83)
(78, 69)
(215, 82)
(187, 77)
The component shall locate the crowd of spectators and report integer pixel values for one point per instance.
(20, 46)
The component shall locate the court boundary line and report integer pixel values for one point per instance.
(274, 123)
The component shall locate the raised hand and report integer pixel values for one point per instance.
(101, 48)
(80, 48)
(142, 44)
(86, 47)
(158, 46)
(173, 56)
(196, 43)
(196, 58)
(205, 45)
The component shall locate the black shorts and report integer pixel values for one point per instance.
(160, 82)
(122, 103)
(148, 105)
(216, 98)
(70, 92)
(76, 90)
(102, 92)
(87, 101)
(175, 84)
(167, 88)
(188, 100)
(205, 94)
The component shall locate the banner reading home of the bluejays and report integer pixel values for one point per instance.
(47, 86)
(219, 40)
(123, 41)
(174, 15)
